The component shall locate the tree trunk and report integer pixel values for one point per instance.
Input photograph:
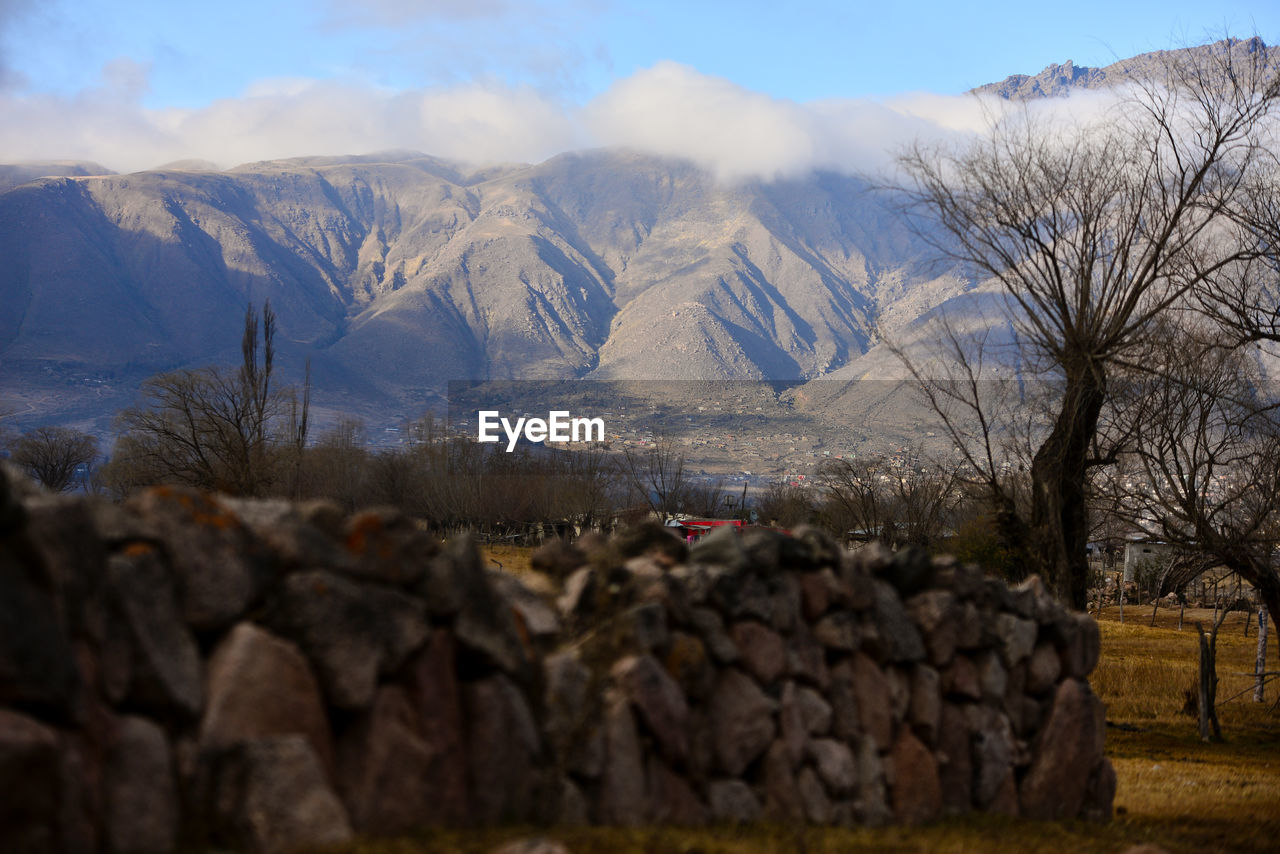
(1059, 519)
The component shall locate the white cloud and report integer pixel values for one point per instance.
(287, 118)
(669, 109)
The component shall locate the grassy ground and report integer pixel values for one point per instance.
(1174, 790)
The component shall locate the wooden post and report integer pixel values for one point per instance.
(1260, 663)
(1204, 683)
(1248, 618)
(1209, 727)
(1182, 607)
(1120, 598)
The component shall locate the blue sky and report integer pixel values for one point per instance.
(107, 78)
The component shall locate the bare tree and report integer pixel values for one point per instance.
(51, 455)
(218, 429)
(1206, 441)
(899, 502)
(656, 475)
(1094, 231)
(786, 505)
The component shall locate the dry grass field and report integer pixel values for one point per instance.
(1175, 791)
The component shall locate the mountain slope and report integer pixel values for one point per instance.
(398, 273)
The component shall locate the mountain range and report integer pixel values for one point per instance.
(394, 273)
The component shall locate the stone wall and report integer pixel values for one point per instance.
(188, 668)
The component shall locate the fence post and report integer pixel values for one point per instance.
(1260, 663)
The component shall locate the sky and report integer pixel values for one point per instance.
(746, 87)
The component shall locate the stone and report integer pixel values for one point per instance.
(642, 569)
(834, 763)
(485, 627)
(1068, 749)
(711, 628)
(535, 618)
(349, 631)
(732, 802)
(817, 591)
(871, 688)
(722, 547)
(218, 567)
(503, 752)
(782, 800)
(1005, 800)
(955, 763)
(1017, 638)
(899, 696)
(1084, 646)
(871, 807)
(294, 540)
(14, 487)
(403, 762)
(450, 577)
(1100, 794)
(270, 795)
(654, 540)
(1043, 669)
(672, 800)
(645, 626)
(925, 706)
(392, 780)
(70, 559)
(763, 652)
(896, 638)
(557, 558)
(81, 778)
(814, 711)
(260, 685)
(658, 700)
(164, 662)
(961, 679)
(936, 614)
(690, 665)
(994, 750)
(846, 717)
(140, 797)
(873, 558)
(763, 549)
(915, 789)
(969, 625)
(622, 783)
(817, 805)
(910, 571)
(744, 597)
(785, 598)
(1043, 606)
(806, 658)
(992, 677)
(430, 681)
(566, 707)
(795, 735)
(837, 631)
(742, 721)
(579, 598)
(823, 552)
(29, 778)
(574, 809)
(37, 667)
